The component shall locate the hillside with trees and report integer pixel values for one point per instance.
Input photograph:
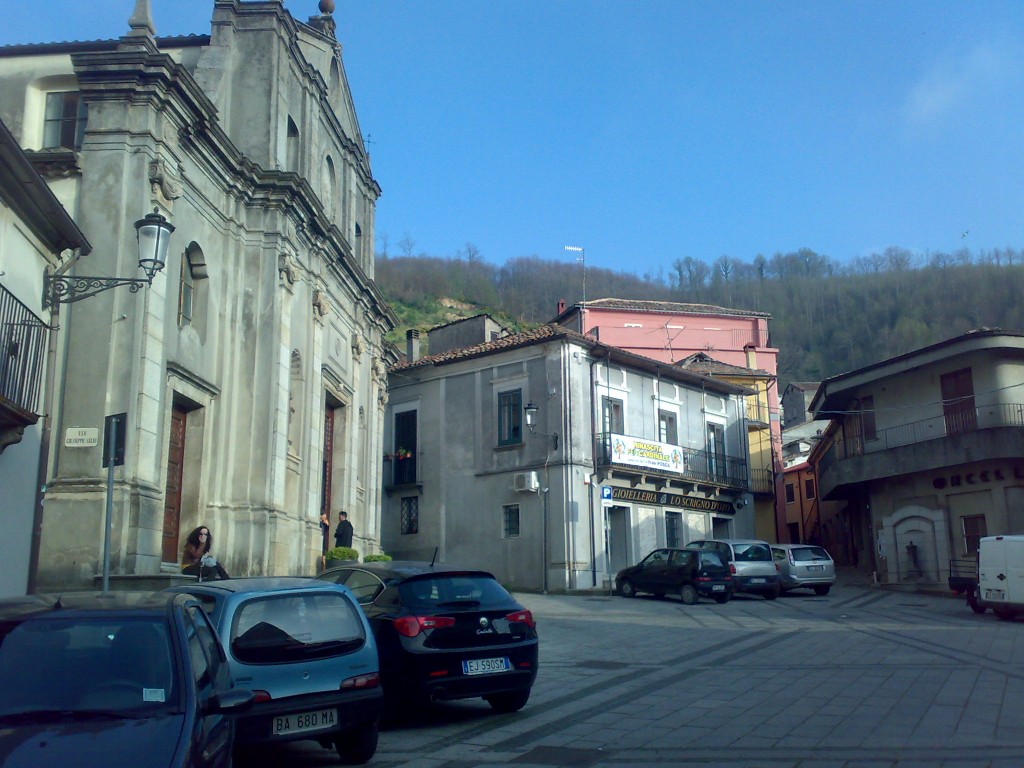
(827, 317)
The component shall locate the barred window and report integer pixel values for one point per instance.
(510, 521)
(411, 514)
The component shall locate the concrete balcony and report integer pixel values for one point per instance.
(698, 468)
(987, 433)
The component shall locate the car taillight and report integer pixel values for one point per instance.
(792, 560)
(522, 617)
(371, 680)
(732, 568)
(410, 626)
(258, 696)
(778, 568)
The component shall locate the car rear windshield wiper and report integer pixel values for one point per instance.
(342, 646)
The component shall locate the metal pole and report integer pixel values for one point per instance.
(109, 517)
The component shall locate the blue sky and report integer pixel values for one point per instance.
(651, 130)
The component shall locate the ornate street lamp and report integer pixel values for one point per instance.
(531, 422)
(153, 233)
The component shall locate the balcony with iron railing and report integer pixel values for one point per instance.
(22, 355)
(697, 466)
(762, 481)
(982, 433)
(401, 471)
(757, 414)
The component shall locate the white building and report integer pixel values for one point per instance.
(626, 454)
(34, 231)
(252, 370)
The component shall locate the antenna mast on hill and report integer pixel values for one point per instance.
(583, 260)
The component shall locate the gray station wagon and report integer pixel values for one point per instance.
(750, 561)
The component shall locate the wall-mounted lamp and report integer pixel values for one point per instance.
(531, 423)
(153, 233)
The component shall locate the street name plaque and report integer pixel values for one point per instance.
(82, 437)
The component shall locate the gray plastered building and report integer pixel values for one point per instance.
(566, 504)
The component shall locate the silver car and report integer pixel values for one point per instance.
(804, 566)
(749, 560)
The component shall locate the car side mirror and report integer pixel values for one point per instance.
(231, 702)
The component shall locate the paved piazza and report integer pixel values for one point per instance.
(861, 678)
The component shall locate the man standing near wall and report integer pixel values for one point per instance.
(343, 534)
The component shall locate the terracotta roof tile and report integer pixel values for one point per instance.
(523, 339)
(670, 307)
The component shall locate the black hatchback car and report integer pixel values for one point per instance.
(114, 679)
(679, 571)
(444, 633)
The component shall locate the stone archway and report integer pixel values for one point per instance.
(916, 545)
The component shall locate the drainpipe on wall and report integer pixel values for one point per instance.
(593, 475)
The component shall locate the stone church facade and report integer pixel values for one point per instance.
(252, 370)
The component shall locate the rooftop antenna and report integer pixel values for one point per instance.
(582, 258)
(434, 558)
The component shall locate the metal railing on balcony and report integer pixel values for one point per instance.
(937, 427)
(22, 351)
(757, 412)
(698, 466)
(400, 471)
(762, 481)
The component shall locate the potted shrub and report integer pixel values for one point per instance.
(378, 558)
(336, 556)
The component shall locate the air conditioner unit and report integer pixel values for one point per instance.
(525, 481)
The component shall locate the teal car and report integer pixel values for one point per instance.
(305, 650)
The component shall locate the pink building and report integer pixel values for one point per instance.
(670, 332)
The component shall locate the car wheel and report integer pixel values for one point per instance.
(357, 746)
(626, 589)
(772, 594)
(822, 589)
(972, 600)
(512, 701)
(720, 599)
(688, 594)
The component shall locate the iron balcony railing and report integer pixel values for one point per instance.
(757, 412)
(22, 351)
(935, 428)
(400, 471)
(762, 481)
(698, 466)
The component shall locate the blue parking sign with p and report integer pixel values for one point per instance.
(606, 492)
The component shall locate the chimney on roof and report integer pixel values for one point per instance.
(412, 345)
(561, 306)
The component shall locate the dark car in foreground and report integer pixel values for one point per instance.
(444, 633)
(113, 679)
(804, 566)
(690, 575)
(305, 650)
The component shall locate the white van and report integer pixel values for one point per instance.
(1001, 575)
